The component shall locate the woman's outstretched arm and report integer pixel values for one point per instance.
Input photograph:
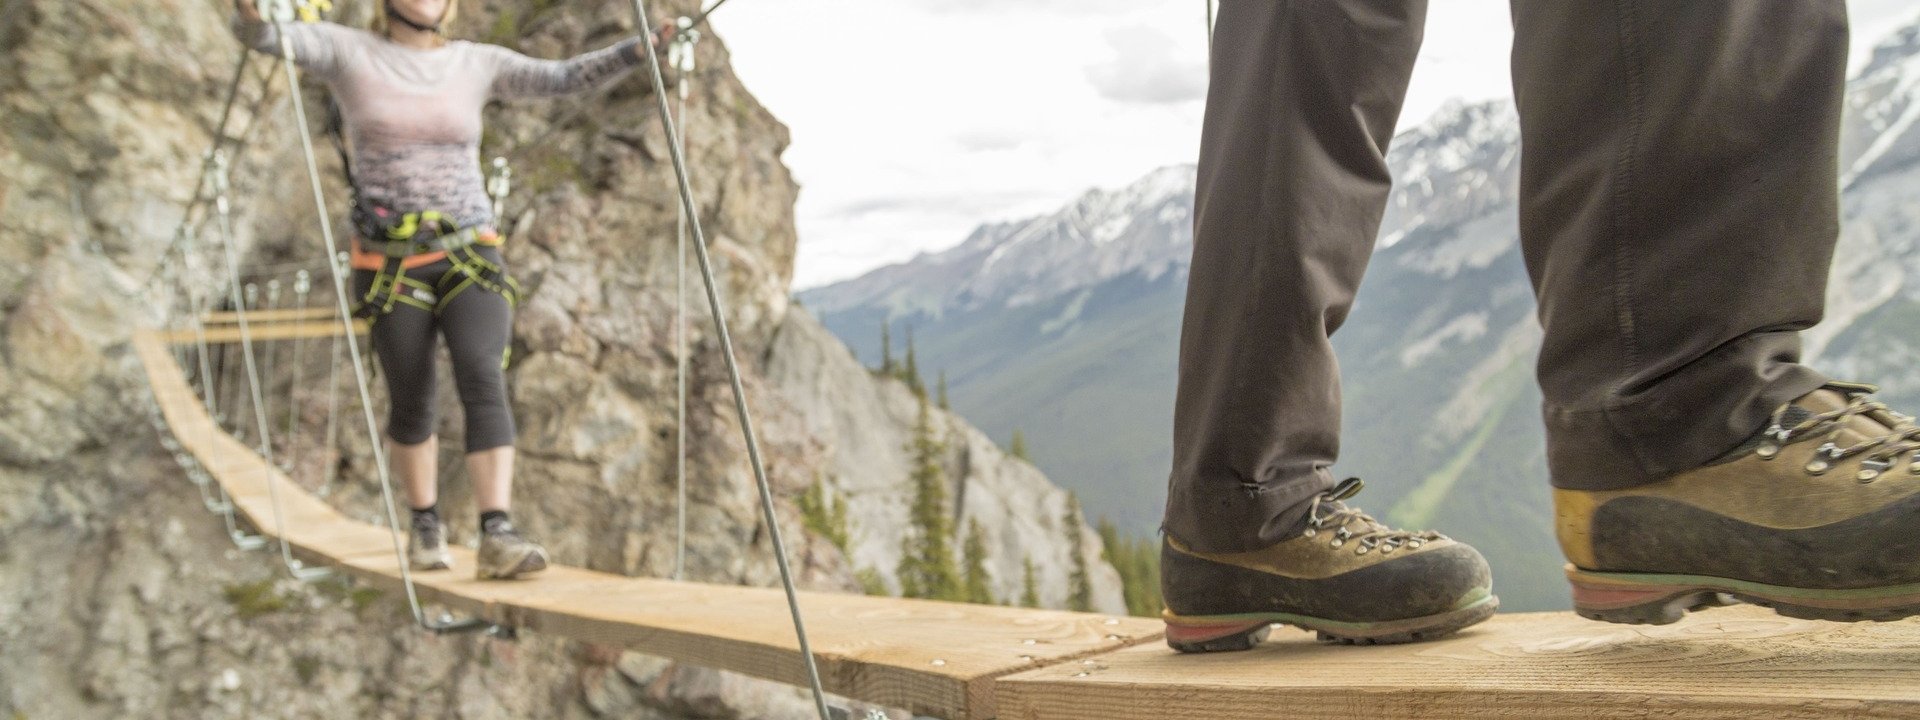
(518, 76)
(316, 46)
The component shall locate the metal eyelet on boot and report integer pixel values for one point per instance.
(1820, 465)
(1871, 470)
(1337, 542)
(1767, 451)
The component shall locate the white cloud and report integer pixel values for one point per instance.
(1144, 69)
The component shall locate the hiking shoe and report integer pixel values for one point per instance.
(504, 554)
(1346, 576)
(427, 545)
(1817, 516)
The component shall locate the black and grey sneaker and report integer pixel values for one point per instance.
(427, 544)
(1345, 576)
(504, 554)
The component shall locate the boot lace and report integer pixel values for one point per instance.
(1879, 453)
(1348, 524)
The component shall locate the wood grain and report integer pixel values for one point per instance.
(320, 312)
(934, 658)
(279, 330)
(1740, 662)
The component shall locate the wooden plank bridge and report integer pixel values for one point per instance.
(960, 661)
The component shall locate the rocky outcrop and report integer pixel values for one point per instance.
(122, 597)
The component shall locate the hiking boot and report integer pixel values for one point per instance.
(1346, 576)
(427, 545)
(1817, 516)
(504, 554)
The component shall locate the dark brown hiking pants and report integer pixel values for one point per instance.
(1678, 209)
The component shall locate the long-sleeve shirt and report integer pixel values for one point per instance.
(413, 115)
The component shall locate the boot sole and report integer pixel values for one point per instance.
(1227, 633)
(532, 562)
(1660, 599)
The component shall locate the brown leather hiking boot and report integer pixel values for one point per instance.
(1817, 517)
(1349, 578)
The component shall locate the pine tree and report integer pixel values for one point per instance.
(825, 516)
(911, 372)
(927, 568)
(886, 348)
(1030, 594)
(1079, 586)
(944, 405)
(974, 555)
(1018, 446)
(1138, 563)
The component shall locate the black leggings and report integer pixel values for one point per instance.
(478, 325)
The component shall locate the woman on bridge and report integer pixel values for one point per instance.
(426, 252)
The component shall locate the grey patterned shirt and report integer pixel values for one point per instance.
(413, 116)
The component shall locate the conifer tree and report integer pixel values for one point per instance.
(927, 568)
(825, 516)
(910, 373)
(974, 555)
(1079, 586)
(1138, 562)
(1018, 446)
(944, 405)
(886, 348)
(1030, 593)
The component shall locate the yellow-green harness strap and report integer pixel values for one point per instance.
(392, 286)
(470, 268)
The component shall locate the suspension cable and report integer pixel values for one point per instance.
(681, 55)
(444, 624)
(222, 138)
(255, 396)
(726, 347)
(302, 286)
(221, 208)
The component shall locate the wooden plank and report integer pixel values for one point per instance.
(320, 312)
(261, 331)
(930, 657)
(1739, 662)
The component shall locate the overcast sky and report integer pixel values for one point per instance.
(916, 120)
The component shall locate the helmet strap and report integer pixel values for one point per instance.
(395, 14)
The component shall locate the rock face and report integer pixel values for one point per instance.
(123, 597)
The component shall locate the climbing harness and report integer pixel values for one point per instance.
(420, 233)
(674, 150)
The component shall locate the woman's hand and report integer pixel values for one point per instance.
(247, 10)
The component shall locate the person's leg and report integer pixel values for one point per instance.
(1678, 213)
(403, 341)
(478, 324)
(1679, 209)
(1293, 182)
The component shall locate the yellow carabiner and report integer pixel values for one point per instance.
(409, 225)
(311, 10)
